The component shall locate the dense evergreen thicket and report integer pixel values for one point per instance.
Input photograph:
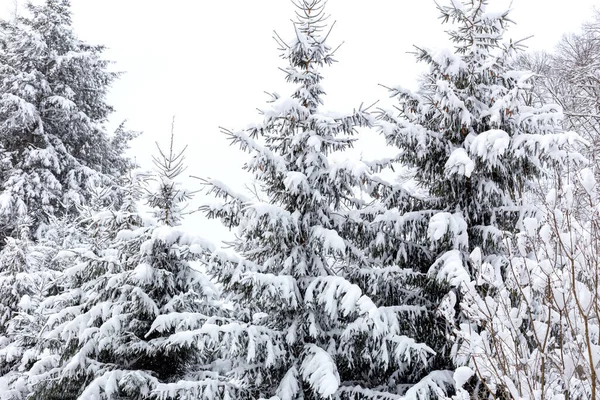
(473, 274)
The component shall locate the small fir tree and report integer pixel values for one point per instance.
(125, 298)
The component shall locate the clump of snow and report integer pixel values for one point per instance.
(551, 197)
(445, 223)
(296, 182)
(587, 180)
(438, 226)
(459, 163)
(476, 256)
(530, 225)
(143, 273)
(315, 142)
(330, 239)
(289, 385)
(357, 168)
(490, 145)
(462, 376)
(449, 62)
(450, 267)
(319, 371)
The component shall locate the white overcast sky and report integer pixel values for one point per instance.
(209, 62)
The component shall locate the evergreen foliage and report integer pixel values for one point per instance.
(445, 283)
(303, 328)
(129, 289)
(474, 145)
(53, 144)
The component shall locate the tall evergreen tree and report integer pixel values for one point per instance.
(474, 146)
(52, 109)
(302, 330)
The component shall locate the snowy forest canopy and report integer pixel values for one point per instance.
(464, 266)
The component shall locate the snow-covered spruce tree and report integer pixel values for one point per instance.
(303, 331)
(473, 146)
(52, 110)
(110, 331)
